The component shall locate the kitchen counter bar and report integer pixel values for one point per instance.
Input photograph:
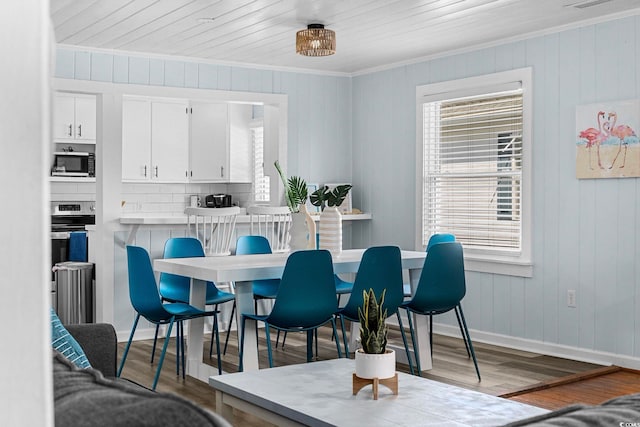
(136, 220)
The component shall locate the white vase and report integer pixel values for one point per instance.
(331, 230)
(303, 230)
(379, 366)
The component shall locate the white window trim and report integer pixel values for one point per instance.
(475, 260)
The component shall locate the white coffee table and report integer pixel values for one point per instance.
(320, 394)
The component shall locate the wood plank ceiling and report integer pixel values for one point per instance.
(369, 33)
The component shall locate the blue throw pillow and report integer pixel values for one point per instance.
(62, 341)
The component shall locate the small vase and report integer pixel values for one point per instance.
(375, 365)
(331, 230)
(303, 230)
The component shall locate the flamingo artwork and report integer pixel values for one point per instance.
(622, 132)
(595, 137)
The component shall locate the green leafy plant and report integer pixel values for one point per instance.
(334, 197)
(295, 189)
(373, 329)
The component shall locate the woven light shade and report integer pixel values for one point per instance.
(316, 41)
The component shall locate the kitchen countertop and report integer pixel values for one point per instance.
(165, 219)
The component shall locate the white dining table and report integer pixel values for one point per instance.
(242, 269)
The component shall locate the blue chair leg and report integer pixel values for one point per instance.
(178, 344)
(164, 352)
(335, 334)
(416, 354)
(126, 349)
(344, 337)
(267, 332)
(404, 341)
(473, 354)
(217, 338)
(309, 345)
(226, 340)
(182, 346)
(155, 339)
(464, 338)
(240, 353)
(431, 334)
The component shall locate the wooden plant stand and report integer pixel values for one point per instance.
(390, 383)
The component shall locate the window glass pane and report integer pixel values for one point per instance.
(473, 170)
(260, 181)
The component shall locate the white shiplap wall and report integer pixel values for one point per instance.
(585, 235)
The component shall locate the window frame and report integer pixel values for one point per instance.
(478, 259)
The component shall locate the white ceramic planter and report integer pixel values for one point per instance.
(331, 230)
(303, 230)
(379, 366)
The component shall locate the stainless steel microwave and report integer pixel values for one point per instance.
(73, 163)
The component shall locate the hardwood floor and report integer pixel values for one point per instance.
(503, 370)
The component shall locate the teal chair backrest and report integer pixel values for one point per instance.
(143, 291)
(177, 287)
(380, 268)
(440, 238)
(442, 283)
(252, 245)
(307, 292)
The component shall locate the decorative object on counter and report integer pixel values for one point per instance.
(303, 229)
(374, 363)
(330, 218)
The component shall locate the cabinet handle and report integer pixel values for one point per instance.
(191, 173)
(156, 171)
(145, 171)
(186, 174)
(70, 129)
(80, 130)
(221, 171)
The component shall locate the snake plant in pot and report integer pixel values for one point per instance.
(303, 229)
(373, 360)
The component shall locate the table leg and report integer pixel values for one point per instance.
(421, 326)
(222, 408)
(195, 367)
(244, 304)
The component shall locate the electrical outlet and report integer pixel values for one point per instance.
(571, 298)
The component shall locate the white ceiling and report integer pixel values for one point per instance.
(369, 34)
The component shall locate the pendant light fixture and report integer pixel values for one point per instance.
(316, 40)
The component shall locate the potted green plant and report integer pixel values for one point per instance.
(373, 360)
(330, 218)
(303, 228)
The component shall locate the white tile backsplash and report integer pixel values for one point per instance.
(150, 197)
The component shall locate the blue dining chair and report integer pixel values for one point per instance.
(380, 269)
(305, 301)
(342, 286)
(441, 289)
(176, 288)
(433, 240)
(147, 303)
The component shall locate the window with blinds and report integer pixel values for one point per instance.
(261, 181)
(472, 170)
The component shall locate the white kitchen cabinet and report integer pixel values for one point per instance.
(74, 118)
(155, 140)
(209, 160)
(220, 146)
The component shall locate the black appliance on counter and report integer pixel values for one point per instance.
(218, 201)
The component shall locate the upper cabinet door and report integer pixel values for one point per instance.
(85, 114)
(209, 159)
(74, 118)
(170, 141)
(63, 117)
(136, 140)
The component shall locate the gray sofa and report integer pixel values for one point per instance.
(622, 411)
(94, 397)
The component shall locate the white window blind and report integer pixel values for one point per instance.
(260, 180)
(472, 170)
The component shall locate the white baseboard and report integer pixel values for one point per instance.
(550, 349)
